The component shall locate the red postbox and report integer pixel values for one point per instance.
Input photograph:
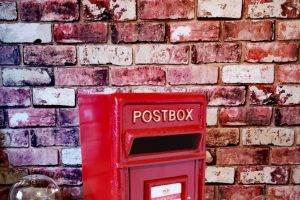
(143, 146)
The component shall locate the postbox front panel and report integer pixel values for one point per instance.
(173, 181)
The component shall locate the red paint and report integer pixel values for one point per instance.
(122, 157)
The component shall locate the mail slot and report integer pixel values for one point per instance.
(143, 146)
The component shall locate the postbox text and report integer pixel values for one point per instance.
(148, 116)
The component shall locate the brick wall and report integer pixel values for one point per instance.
(244, 55)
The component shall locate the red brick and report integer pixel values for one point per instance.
(31, 117)
(4, 192)
(235, 192)
(32, 156)
(194, 31)
(288, 73)
(166, 9)
(271, 52)
(209, 192)
(15, 96)
(139, 75)
(263, 174)
(262, 95)
(195, 74)
(288, 30)
(72, 193)
(81, 76)
(245, 116)
(222, 136)
(61, 175)
(80, 33)
(272, 8)
(9, 55)
(49, 55)
(289, 192)
(226, 95)
(68, 117)
(242, 156)
(285, 155)
(50, 10)
(216, 52)
(287, 116)
(137, 32)
(3, 159)
(248, 30)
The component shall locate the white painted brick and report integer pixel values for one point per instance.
(297, 133)
(288, 94)
(268, 136)
(25, 32)
(296, 174)
(8, 10)
(54, 96)
(124, 9)
(248, 74)
(219, 174)
(220, 8)
(105, 54)
(211, 116)
(71, 156)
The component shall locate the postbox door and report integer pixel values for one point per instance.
(173, 181)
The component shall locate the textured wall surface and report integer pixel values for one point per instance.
(243, 54)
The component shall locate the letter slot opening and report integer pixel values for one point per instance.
(160, 144)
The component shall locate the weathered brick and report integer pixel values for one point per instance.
(21, 76)
(225, 95)
(9, 55)
(4, 159)
(245, 116)
(120, 10)
(2, 121)
(72, 193)
(194, 31)
(137, 32)
(220, 8)
(61, 175)
(8, 11)
(273, 8)
(208, 157)
(25, 33)
(235, 192)
(88, 76)
(242, 156)
(195, 74)
(50, 10)
(71, 156)
(211, 116)
(271, 52)
(32, 156)
(209, 192)
(80, 33)
(288, 192)
(14, 137)
(285, 155)
(162, 54)
(288, 73)
(15, 96)
(68, 117)
(48, 137)
(246, 73)
(248, 30)
(31, 117)
(296, 174)
(288, 30)
(222, 136)
(138, 75)
(49, 55)
(11, 175)
(54, 96)
(105, 54)
(297, 133)
(216, 52)
(288, 94)
(262, 95)
(263, 174)
(166, 9)
(287, 116)
(219, 174)
(268, 136)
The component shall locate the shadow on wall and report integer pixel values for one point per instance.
(4, 167)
